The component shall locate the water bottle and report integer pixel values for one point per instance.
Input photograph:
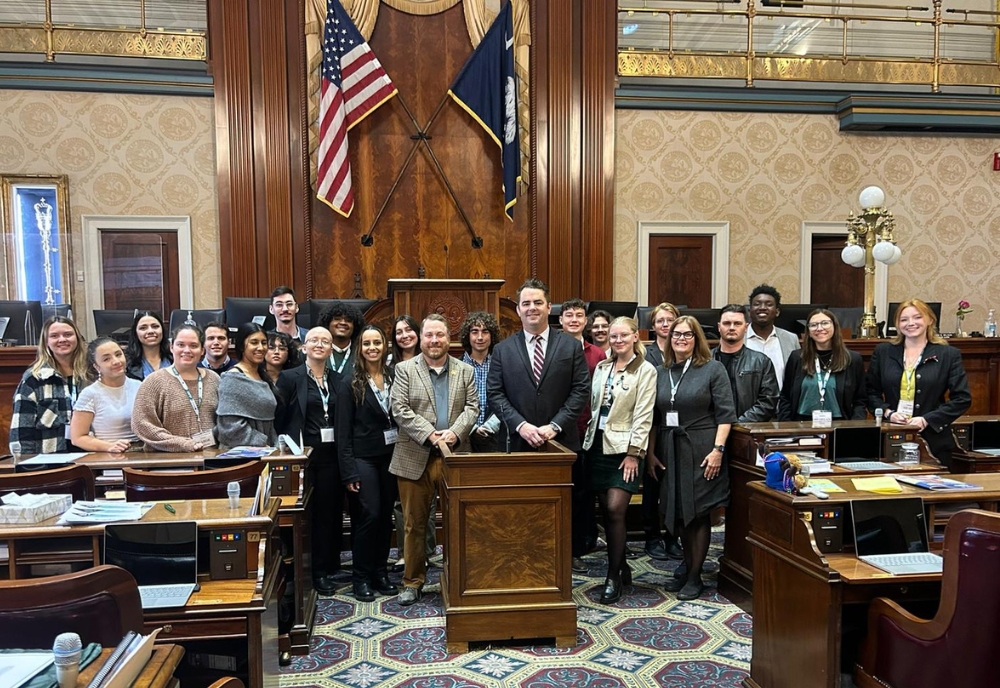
(233, 490)
(991, 324)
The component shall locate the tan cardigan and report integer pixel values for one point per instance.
(162, 416)
(631, 416)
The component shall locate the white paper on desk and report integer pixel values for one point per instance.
(17, 668)
(296, 449)
(83, 512)
(52, 459)
(760, 459)
(132, 663)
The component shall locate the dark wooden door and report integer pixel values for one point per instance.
(680, 270)
(140, 270)
(834, 282)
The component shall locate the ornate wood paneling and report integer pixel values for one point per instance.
(421, 225)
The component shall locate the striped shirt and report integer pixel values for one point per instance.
(480, 372)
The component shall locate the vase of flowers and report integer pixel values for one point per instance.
(963, 310)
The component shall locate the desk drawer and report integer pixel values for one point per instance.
(190, 629)
(902, 592)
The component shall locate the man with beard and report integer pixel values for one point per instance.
(763, 336)
(284, 309)
(344, 322)
(434, 399)
(751, 373)
(217, 357)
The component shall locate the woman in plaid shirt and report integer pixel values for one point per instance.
(43, 401)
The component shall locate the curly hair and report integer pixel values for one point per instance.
(339, 309)
(769, 291)
(479, 319)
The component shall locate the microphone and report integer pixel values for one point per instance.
(66, 654)
(503, 417)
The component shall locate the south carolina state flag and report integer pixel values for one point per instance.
(487, 88)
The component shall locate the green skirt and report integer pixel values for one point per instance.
(605, 471)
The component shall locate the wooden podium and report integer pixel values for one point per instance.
(508, 547)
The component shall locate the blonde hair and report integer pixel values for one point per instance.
(638, 348)
(928, 315)
(701, 354)
(669, 307)
(45, 358)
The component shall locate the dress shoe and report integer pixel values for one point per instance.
(579, 565)
(363, 592)
(674, 584)
(691, 590)
(325, 585)
(612, 591)
(674, 549)
(681, 572)
(655, 550)
(381, 585)
(408, 596)
(631, 553)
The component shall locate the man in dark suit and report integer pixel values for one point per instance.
(538, 381)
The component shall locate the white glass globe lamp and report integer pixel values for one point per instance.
(871, 197)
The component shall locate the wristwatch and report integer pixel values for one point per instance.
(886, 412)
(721, 448)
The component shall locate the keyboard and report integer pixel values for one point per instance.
(868, 465)
(988, 452)
(917, 562)
(161, 596)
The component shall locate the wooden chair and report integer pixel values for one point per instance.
(959, 646)
(100, 604)
(143, 486)
(227, 683)
(75, 480)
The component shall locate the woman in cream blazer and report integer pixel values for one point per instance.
(623, 394)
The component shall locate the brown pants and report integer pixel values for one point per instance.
(416, 497)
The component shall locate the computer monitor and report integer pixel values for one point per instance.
(617, 309)
(708, 318)
(889, 526)
(115, 323)
(794, 316)
(985, 435)
(857, 444)
(890, 322)
(156, 552)
(24, 322)
(243, 309)
(64, 310)
(200, 317)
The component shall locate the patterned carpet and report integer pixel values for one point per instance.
(648, 638)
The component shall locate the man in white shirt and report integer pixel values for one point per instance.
(763, 336)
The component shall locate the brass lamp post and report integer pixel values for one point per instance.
(869, 238)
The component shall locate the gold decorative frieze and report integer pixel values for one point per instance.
(184, 46)
(638, 63)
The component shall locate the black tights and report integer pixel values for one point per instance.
(695, 537)
(614, 503)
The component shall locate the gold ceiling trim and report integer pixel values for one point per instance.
(118, 43)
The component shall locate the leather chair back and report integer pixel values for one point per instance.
(100, 604)
(75, 480)
(144, 486)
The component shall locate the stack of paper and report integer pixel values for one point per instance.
(83, 512)
(883, 484)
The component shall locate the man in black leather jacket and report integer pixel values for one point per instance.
(751, 373)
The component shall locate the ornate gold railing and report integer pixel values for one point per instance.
(140, 40)
(787, 40)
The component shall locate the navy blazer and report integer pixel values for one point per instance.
(559, 397)
(293, 393)
(940, 371)
(360, 430)
(851, 389)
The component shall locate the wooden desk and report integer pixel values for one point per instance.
(964, 459)
(736, 563)
(803, 596)
(158, 673)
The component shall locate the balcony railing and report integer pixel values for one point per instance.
(789, 40)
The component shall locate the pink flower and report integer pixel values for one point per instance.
(963, 304)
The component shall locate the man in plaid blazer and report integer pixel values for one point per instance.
(434, 399)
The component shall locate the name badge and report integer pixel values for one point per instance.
(906, 408)
(205, 438)
(673, 420)
(326, 434)
(822, 419)
(67, 433)
(602, 422)
(391, 436)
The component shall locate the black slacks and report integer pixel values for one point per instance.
(371, 514)
(327, 509)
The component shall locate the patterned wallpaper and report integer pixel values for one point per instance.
(124, 155)
(766, 174)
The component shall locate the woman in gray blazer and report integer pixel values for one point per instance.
(623, 394)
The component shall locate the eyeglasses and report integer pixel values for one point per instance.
(619, 337)
(821, 325)
(319, 342)
(284, 305)
(682, 335)
(272, 347)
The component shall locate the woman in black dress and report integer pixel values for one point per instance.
(823, 375)
(366, 436)
(695, 410)
(909, 378)
(622, 396)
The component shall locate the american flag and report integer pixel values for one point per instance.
(354, 83)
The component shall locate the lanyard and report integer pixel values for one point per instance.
(821, 385)
(610, 383)
(340, 369)
(382, 397)
(673, 386)
(907, 391)
(195, 406)
(71, 391)
(324, 395)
